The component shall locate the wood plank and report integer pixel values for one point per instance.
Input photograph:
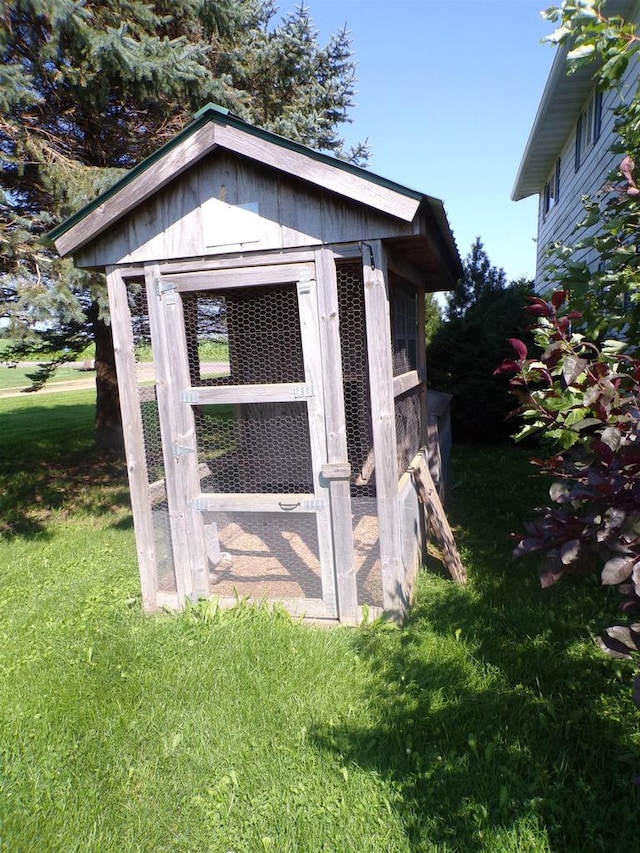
(313, 369)
(437, 519)
(438, 437)
(109, 248)
(275, 393)
(145, 229)
(346, 251)
(133, 436)
(169, 166)
(412, 529)
(258, 188)
(323, 174)
(242, 277)
(184, 451)
(254, 502)
(166, 417)
(299, 608)
(336, 434)
(405, 382)
(422, 362)
(342, 222)
(218, 175)
(301, 223)
(235, 262)
(132, 271)
(167, 413)
(182, 212)
(336, 470)
(376, 297)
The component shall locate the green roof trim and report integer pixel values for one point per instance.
(211, 106)
(216, 113)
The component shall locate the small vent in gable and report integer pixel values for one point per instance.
(230, 224)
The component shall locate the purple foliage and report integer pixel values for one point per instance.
(584, 398)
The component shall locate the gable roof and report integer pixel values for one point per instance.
(562, 100)
(215, 127)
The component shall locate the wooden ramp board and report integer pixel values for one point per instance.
(437, 519)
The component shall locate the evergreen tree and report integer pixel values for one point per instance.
(88, 88)
(480, 278)
(468, 347)
(432, 316)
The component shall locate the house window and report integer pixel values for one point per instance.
(551, 193)
(588, 127)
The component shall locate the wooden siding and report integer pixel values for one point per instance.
(316, 171)
(226, 204)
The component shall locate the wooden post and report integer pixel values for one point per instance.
(123, 345)
(312, 354)
(178, 436)
(376, 299)
(337, 471)
(437, 519)
(422, 364)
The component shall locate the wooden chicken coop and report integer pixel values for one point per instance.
(267, 306)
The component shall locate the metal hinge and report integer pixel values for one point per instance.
(303, 392)
(190, 396)
(304, 286)
(313, 506)
(169, 287)
(180, 450)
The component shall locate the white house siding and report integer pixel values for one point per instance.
(559, 224)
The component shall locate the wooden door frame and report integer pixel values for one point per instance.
(176, 397)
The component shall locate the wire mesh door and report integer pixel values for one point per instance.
(242, 416)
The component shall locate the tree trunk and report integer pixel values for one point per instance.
(109, 435)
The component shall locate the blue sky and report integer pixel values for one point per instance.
(447, 94)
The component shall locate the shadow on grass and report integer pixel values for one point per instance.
(499, 724)
(48, 463)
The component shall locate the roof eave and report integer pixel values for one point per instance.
(560, 105)
(563, 97)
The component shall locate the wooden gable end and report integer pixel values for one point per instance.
(226, 202)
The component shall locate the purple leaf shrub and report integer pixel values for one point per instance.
(583, 400)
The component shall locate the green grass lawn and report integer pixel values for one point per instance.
(17, 378)
(490, 722)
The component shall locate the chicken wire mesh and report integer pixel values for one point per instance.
(355, 376)
(263, 555)
(252, 337)
(404, 326)
(243, 337)
(249, 447)
(408, 427)
(405, 339)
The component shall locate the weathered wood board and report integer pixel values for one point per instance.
(438, 520)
